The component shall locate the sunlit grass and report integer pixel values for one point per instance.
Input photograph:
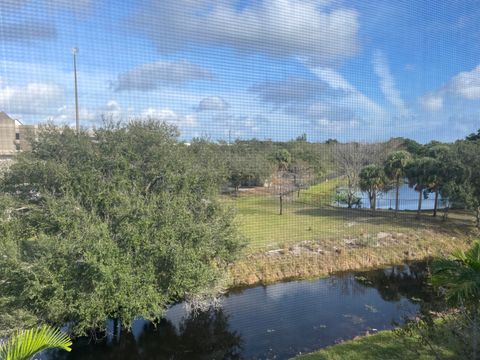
(383, 345)
(311, 240)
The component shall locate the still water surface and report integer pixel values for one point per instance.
(408, 199)
(272, 322)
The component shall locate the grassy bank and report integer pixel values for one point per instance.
(313, 239)
(381, 346)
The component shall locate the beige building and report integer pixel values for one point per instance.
(14, 136)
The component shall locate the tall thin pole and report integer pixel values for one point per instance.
(77, 120)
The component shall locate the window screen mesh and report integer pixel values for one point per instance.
(238, 179)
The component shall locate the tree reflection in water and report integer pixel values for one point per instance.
(200, 335)
(409, 280)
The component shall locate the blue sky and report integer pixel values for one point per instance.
(270, 69)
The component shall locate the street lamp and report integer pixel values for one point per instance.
(77, 120)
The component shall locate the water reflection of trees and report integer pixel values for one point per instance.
(203, 335)
(409, 280)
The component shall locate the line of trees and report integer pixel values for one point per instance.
(450, 171)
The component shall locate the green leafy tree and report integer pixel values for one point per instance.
(23, 345)
(395, 167)
(117, 224)
(467, 152)
(373, 181)
(282, 159)
(474, 136)
(420, 174)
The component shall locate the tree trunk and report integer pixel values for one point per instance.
(281, 204)
(397, 194)
(445, 212)
(420, 197)
(373, 200)
(350, 194)
(435, 205)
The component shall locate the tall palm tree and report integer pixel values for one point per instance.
(25, 344)
(420, 176)
(372, 180)
(395, 167)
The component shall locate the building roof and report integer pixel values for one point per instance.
(5, 118)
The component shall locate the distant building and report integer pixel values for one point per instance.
(14, 136)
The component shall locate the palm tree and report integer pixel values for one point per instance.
(420, 176)
(372, 180)
(25, 344)
(460, 277)
(395, 167)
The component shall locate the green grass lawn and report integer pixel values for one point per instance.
(313, 238)
(311, 218)
(385, 345)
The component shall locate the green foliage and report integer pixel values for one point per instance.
(396, 164)
(331, 141)
(459, 275)
(25, 344)
(118, 224)
(414, 147)
(422, 176)
(344, 197)
(473, 136)
(373, 181)
(282, 158)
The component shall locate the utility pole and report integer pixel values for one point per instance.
(77, 120)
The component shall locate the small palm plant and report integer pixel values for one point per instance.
(25, 344)
(460, 277)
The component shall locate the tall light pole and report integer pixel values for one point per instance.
(77, 120)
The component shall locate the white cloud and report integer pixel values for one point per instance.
(66, 115)
(170, 116)
(33, 98)
(113, 110)
(352, 97)
(432, 101)
(151, 76)
(320, 32)
(387, 83)
(466, 84)
(213, 103)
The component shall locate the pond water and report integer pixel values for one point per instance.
(272, 322)
(408, 199)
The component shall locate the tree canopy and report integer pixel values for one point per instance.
(117, 224)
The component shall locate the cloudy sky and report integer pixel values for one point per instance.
(351, 70)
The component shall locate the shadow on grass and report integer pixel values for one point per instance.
(457, 221)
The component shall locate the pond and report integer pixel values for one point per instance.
(408, 199)
(272, 322)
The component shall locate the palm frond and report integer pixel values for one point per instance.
(24, 344)
(459, 275)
